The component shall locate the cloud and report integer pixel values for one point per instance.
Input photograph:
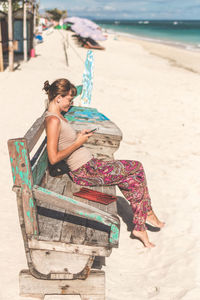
(109, 8)
(128, 9)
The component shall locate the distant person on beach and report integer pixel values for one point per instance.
(64, 144)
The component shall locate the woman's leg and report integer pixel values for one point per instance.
(130, 178)
(134, 188)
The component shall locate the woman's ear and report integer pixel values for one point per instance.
(58, 98)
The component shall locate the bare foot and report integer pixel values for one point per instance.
(143, 236)
(152, 218)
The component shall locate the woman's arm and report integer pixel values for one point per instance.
(53, 132)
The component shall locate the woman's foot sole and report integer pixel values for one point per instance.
(143, 237)
(153, 220)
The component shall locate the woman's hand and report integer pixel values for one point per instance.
(83, 136)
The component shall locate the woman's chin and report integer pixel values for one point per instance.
(65, 109)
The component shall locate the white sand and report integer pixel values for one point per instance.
(156, 104)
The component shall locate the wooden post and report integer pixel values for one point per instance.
(25, 32)
(10, 36)
(1, 51)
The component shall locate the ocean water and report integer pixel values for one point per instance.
(180, 33)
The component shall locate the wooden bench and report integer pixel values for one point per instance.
(66, 238)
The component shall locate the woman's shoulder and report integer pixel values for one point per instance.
(51, 115)
(52, 118)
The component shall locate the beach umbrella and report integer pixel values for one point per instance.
(83, 21)
(90, 23)
(81, 30)
(72, 20)
(86, 28)
(87, 32)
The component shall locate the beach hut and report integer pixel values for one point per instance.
(24, 27)
(18, 33)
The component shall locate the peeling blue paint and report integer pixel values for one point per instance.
(93, 216)
(17, 147)
(31, 202)
(48, 192)
(114, 235)
(24, 181)
(84, 114)
(114, 231)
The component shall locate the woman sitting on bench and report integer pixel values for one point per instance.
(64, 144)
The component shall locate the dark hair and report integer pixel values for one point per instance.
(60, 87)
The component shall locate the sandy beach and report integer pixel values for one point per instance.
(151, 91)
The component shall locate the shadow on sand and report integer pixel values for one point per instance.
(124, 210)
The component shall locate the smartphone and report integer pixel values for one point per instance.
(92, 130)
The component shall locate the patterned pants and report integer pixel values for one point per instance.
(128, 175)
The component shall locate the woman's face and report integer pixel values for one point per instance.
(66, 101)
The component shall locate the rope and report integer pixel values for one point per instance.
(69, 45)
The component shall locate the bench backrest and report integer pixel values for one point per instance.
(23, 181)
(26, 172)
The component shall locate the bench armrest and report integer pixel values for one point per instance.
(80, 209)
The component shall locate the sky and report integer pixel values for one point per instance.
(127, 9)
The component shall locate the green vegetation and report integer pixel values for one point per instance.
(57, 14)
(16, 5)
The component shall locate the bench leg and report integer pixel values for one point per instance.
(92, 288)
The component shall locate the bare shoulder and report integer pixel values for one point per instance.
(52, 125)
(52, 120)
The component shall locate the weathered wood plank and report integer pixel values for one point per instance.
(82, 210)
(34, 133)
(74, 206)
(22, 177)
(95, 235)
(40, 167)
(89, 234)
(69, 248)
(38, 152)
(50, 218)
(32, 287)
(54, 262)
(74, 229)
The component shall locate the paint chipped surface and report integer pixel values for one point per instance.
(51, 193)
(84, 114)
(39, 169)
(93, 216)
(23, 174)
(22, 177)
(114, 234)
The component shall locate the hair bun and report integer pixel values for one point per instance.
(46, 86)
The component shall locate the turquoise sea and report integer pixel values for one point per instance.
(180, 33)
